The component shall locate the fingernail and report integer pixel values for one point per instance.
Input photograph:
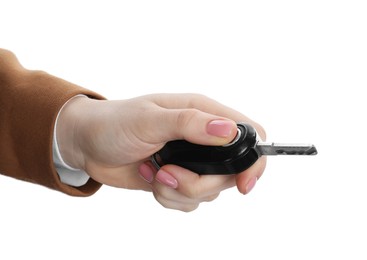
(251, 184)
(220, 128)
(166, 179)
(146, 172)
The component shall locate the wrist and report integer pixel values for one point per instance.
(67, 133)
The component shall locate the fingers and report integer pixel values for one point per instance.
(120, 177)
(173, 200)
(246, 180)
(177, 188)
(193, 185)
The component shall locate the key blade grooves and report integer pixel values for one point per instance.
(285, 149)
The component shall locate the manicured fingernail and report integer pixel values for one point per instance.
(146, 172)
(251, 184)
(166, 179)
(220, 128)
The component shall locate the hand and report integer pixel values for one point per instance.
(113, 141)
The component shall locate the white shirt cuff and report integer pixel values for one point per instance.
(68, 175)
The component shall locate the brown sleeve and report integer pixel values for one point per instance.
(29, 104)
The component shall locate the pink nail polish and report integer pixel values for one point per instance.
(220, 128)
(251, 184)
(166, 179)
(146, 172)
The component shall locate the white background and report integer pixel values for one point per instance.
(297, 67)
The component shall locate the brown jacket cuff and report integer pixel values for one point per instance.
(28, 109)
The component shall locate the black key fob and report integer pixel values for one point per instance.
(232, 158)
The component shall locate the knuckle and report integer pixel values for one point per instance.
(198, 100)
(193, 192)
(188, 207)
(161, 200)
(186, 116)
(196, 97)
(161, 193)
(193, 100)
(211, 198)
(175, 205)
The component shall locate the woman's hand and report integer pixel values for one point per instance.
(113, 141)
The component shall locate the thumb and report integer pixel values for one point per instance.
(197, 127)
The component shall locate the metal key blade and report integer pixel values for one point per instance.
(264, 148)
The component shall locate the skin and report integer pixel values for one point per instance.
(113, 140)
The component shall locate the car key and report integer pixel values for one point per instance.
(231, 158)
